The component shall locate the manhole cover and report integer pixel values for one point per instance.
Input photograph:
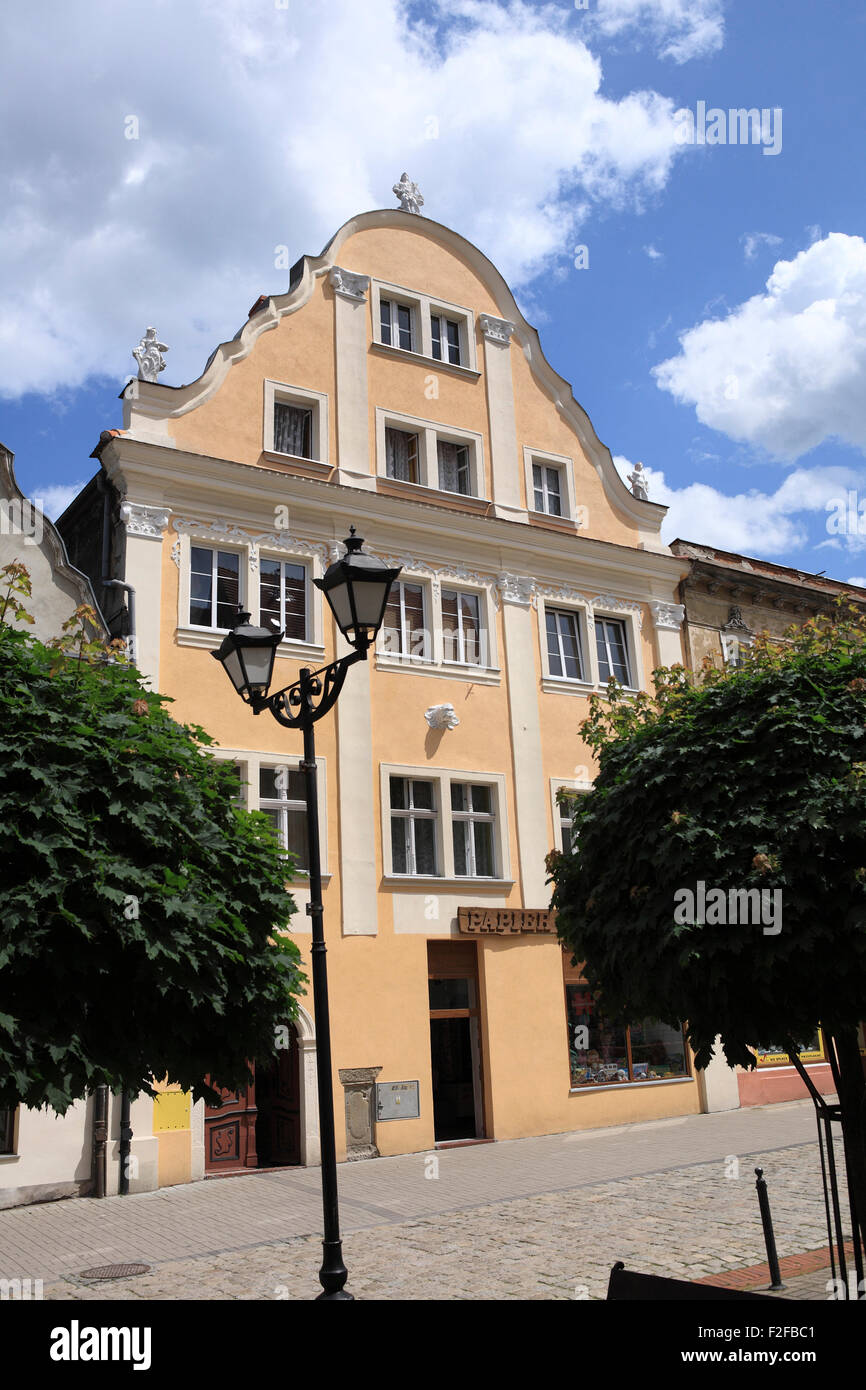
(113, 1271)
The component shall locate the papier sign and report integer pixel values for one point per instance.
(504, 921)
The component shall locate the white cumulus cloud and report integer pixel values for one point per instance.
(678, 29)
(764, 524)
(157, 155)
(785, 370)
(54, 499)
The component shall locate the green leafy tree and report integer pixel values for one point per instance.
(747, 779)
(143, 911)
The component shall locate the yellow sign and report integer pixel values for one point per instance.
(171, 1111)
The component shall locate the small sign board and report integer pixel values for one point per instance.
(397, 1100)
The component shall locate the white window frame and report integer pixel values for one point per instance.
(469, 818)
(574, 788)
(582, 617)
(216, 547)
(409, 658)
(399, 301)
(483, 631)
(429, 433)
(622, 620)
(408, 817)
(565, 468)
(445, 317)
(444, 836)
(422, 307)
(250, 761)
(301, 396)
(303, 562)
(733, 644)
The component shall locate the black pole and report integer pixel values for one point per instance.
(769, 1237)
(333, 1273)
(125, 1145)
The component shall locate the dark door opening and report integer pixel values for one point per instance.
(455, 1041)
(453, 1083)
(278, 1101)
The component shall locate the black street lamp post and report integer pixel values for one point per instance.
(357, 589)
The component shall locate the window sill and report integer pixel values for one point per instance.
(564, 685)
(553, 523)
(388, 350)
(210, 638)
(9, 1158)
(455, 501)
(314, 468)
(629, 1085)
(448, 670)
(495, 885)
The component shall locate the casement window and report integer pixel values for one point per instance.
(293, 430)
(283, 597)
(612, 650)
(283, 799)
(472, 825)
(461, 627)
(401, 455)
(567, 835)
(547, 489)
(215, 588)
(396, 324)
(296, 424)
(564, 653)
(7, 1131)
(445, 339)
(454, 468)
(413, 826)
(602, 1053)
(404, 628)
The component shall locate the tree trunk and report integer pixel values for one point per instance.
(852, 1100)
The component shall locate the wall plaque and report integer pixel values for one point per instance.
(397, 1100)
(504, 921)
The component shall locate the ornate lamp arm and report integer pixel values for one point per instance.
(309, 698)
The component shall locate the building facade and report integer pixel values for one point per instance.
(396, 387)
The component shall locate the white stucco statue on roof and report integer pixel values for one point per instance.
(409, 194)
(149, 356)
(639, 483)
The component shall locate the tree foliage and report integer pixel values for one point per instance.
(143, 920)
(752, 778)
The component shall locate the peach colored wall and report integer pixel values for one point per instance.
(298, 352)
(414, 260)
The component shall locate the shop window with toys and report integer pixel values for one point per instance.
(603, 1053)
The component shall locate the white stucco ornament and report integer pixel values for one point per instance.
(441, 717)
(639, 483)
(409, 194)
(149, 356)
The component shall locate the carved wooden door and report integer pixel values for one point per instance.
(230, 1132)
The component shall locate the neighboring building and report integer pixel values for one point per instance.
(397, 387)
(727, 600)
(43, 1155)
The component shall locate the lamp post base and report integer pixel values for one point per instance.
(333, 1274)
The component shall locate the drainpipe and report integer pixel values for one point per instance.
(125, 1144)
(100, 1139)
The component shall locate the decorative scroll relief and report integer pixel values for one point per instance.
(226, 531)
(458, 573)
(348, 284)
(497, 330)
(607, 602)
(144, 521)
(667, 615)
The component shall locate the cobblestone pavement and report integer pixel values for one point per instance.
(528, 1219)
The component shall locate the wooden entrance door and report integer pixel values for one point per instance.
(230, 1132)
(278, 1099)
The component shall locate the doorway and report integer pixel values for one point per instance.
(259, 1125)
(455, 1041)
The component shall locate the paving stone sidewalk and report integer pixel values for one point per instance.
(526, 1219)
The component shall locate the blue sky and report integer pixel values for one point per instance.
(717, 333)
